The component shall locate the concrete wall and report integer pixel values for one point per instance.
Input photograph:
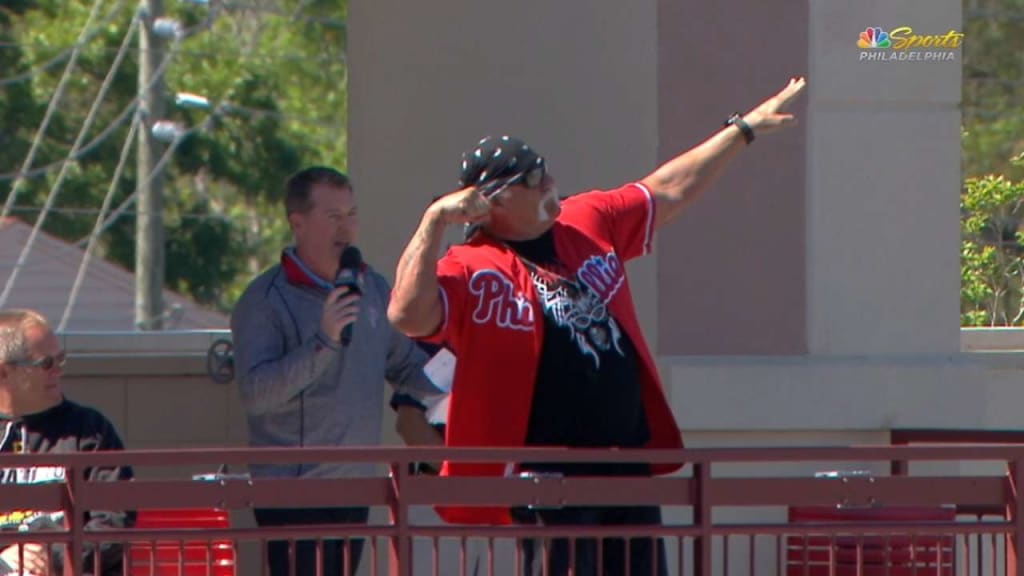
(883, 165)
(154, 387)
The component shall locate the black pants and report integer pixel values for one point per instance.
(305, 550)
(646, 555)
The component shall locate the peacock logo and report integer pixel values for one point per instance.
(874, 37)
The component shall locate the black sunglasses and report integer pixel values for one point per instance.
(533, 177)
(46, 362)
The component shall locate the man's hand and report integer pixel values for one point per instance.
(768, 117)
(33, 560)
(466, 206)
(340, 309)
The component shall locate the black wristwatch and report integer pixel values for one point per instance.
(739, 122)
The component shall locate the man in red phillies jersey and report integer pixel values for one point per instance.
(537, 309)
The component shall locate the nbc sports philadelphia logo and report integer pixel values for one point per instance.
(902, 44)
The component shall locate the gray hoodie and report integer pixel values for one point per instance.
(301, 389)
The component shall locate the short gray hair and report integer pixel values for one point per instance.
(13, 322)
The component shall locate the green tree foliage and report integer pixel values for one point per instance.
(993, 87)
(275, 74)
(992, 268)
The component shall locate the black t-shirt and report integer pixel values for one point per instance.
(587, 392)
(65, 428)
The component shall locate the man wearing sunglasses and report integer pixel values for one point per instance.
(537, 309)
(36, 418)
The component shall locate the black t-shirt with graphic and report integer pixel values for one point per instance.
(65, 428)
(587, 392)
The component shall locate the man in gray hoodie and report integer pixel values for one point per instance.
(300, 385)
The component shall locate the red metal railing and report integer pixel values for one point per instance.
(732, 511)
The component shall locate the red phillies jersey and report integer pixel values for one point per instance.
(494, 324)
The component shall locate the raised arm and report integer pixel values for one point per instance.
(681, 180)
(416, 307)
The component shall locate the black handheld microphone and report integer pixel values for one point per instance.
(349, 267)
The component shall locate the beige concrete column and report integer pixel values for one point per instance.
(883, 169)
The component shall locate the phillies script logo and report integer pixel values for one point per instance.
(603, 275)
(496, 298)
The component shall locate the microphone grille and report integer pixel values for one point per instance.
(351, 258)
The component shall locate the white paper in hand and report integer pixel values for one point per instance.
(441, 370)
(437, 411)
